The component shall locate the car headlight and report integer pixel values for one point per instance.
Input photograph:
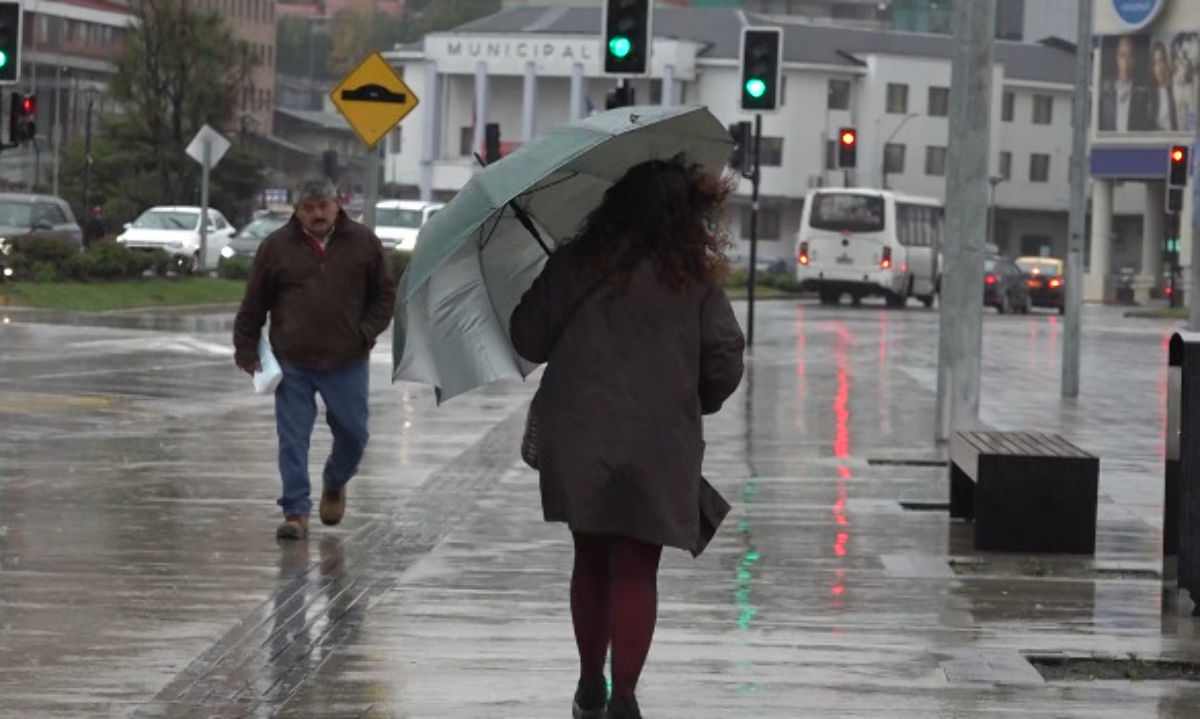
(176, 245)
(8, 272)
(227, 252)
(121, 239)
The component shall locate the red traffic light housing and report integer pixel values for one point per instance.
(22, 120)
(847, 147)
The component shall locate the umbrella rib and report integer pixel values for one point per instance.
(539, 188)
(485, 240)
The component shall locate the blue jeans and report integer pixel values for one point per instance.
(344, 391)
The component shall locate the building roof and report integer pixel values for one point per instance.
(327, 120)
(719, 31)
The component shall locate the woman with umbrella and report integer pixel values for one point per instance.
(640, 341)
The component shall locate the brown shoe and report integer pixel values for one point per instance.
(295, 526)
(333, 505)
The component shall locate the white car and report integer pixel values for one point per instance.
(176, 231)
(397, 222)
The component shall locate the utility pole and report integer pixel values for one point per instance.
(753, 274)
(960, 339)
(1077, 219)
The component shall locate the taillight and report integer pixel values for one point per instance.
(803, 258)
(886, 262)
(990, 279)
(1055, 283)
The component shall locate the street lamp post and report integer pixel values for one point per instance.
(91, 95)
(883, 159)
(991, 230)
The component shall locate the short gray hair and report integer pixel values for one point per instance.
(316, 188)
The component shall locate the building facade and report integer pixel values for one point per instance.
(530, 68)
(252, 22)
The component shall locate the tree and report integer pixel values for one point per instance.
(182, 68)
(299, 46)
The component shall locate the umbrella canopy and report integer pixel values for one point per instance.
(476, 257)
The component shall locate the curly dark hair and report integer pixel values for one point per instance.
(668, 210)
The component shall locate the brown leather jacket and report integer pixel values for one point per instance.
(324, 312)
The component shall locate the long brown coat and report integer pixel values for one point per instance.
(627, 380)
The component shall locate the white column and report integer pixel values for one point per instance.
(1098, 264)
(481, 106)
(1153, 220)
(529, 117)
(668, 86)
(432, 119)
(577, 91)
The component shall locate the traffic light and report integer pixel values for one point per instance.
(762, 50)
(22, 119)
(10, 42)
(627, 36)
(847, 147)
(743, 154)
(491, 142)
(621, 96)
(1177, 173)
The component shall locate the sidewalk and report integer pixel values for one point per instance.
(445, 596)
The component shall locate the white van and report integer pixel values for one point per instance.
(397, 222)
(865, 242)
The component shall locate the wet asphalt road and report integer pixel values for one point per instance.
(139, 574)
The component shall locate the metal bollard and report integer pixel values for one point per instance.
(1181, 501)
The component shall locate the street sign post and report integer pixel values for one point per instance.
(207, 148)
(374, 99)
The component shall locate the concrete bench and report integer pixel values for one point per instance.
(1026, 491)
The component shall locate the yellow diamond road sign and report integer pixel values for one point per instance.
(373, 99)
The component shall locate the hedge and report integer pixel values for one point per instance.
(49, 258)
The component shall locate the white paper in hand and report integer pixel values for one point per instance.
(271, 374)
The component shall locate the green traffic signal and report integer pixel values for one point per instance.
(756, 87)
(3, 58)
(620, 47)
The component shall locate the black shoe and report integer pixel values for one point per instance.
(591, 697)
(624, 708)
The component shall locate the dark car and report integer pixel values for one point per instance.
(1044, 276)
(24, 214)
(1004, 286)
(245, 243)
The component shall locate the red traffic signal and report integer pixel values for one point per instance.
(1177, 166)
(847, 147)
(22, 119)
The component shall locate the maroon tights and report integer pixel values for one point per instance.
(614, 597)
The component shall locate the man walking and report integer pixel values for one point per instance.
(327, 286)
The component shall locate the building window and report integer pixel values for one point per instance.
(1039, 167)
(1006, 165)
(935, 161)
(939, 101)
(839, 94)
(831, 154)
(466, 138)
(1007, 106)
(897, 98)
(770, 223)
(1043, 109)
(771, 152)
(893, 159)
(395, 139)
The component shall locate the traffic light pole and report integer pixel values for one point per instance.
(753, 274)
(1193, 290)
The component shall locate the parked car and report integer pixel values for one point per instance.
(1044, 277)
(1004, 286)
(176, 231)
(397, 222)
(245, 243)
(25, 214)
